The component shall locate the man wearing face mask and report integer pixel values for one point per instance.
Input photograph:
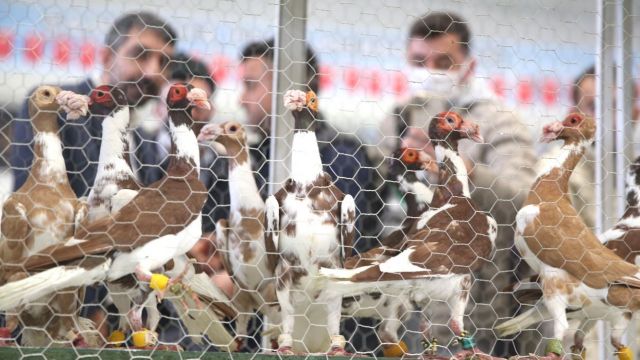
(441, 74)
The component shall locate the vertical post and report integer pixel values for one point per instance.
(289, 73)
(624, 127)
(289, 66)
(604, 163)
(624, 98)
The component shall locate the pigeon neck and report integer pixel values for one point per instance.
(454, 180)
(243, 190)
(49, 162)
(417, 194)
(556, 171)
(185, 153)
(45, 121)
(304, 120)
(115, 144)
(237, 153)
(306, 165)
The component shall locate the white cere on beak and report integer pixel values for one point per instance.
(73, 104)
(295, 100)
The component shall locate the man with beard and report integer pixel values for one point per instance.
(136, 52)
(135, 56)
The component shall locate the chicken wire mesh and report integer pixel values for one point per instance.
(382, 71)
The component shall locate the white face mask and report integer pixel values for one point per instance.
(446, 83)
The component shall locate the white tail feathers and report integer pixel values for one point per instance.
(342, 274)
(201, 284)
(523, 321)
(205, 321)
(28, 290)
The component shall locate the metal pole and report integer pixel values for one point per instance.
(624, 98)
(624, 126)
(604, 140)
(290, 72)
(289, 66)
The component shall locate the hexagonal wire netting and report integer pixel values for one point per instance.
(436, 231)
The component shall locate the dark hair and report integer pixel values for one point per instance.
(577, 83)
(184, 68)
(138, 21)
(435, 24)
(265, 49)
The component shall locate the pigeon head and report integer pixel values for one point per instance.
(574, 129)
(408, 160)
(449, 128)
(104, 99)
(182, 100)
(228, 138)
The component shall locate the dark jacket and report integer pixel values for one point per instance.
(81, 140)
(343, 157)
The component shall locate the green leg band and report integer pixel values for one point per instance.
(554, 346)
(467, 342)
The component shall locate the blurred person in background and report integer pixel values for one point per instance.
(135, 55)
(340, 153)
(441, 74)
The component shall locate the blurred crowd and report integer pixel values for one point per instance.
(140, 56)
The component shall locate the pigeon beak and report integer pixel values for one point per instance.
(428, 163)
(550, 132)
(202, 104)
(209, 133)
(472, 131)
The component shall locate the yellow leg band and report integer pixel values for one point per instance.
(158, 281)
(395, 350)
(117, 337)
(624, 353)
(144, 338)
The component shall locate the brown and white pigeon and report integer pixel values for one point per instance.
(444, 247)
(575, 269)
(408, 167)
(44, 212)
(240, 238)
(161, 222)
(310, 224)
(624, 239)
(115, 184)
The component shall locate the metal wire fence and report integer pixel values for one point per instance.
(384, 75)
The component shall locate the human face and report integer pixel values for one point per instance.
(202, 117)
(443, 53)
(257, 79)
(586, 103)
(139, 65)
